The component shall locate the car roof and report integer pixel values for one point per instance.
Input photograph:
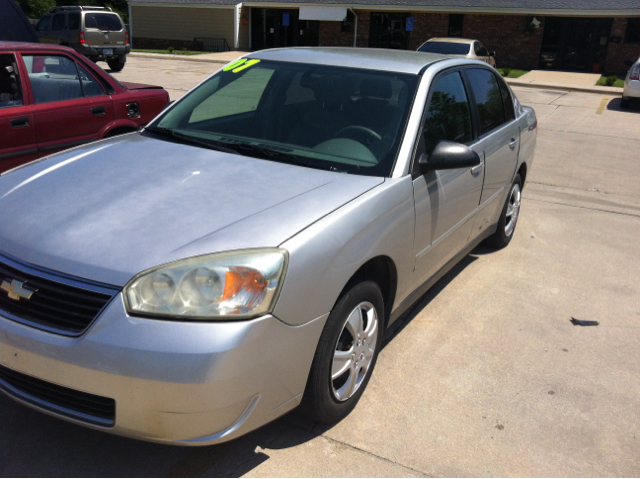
(32, 46)
(451, 40)
(401, 61)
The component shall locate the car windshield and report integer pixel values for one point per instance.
(340, 119)
(446, 48)
(103, 21)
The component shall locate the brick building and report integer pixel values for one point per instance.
(579, 35)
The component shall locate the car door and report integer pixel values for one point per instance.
(499, 136)
(56, 30)
(17, 128)
(42, 29)
(446, 201)
(70, 106)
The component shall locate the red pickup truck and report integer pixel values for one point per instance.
(52, 98)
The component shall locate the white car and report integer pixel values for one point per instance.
(459, 47)
(631, 85)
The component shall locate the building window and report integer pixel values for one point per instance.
(347, 23)
(455, 25)
(633, 31)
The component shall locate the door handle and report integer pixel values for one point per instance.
(475, 171)
(514, 142)
(20, 122)
(98, 110)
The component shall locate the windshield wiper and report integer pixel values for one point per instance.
(261, 151)
(210, 144)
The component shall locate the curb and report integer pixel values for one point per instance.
(186, 58)
(606, 90)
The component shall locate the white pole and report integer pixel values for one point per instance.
(236, 26)
(355, 29)
(130, 28)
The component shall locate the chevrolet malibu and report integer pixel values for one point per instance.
(244, 254)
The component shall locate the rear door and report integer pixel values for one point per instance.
(499, 136)
(17, 128)
(70, 106)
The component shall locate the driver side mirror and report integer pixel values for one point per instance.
(448, 155)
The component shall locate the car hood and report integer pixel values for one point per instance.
(108, 210)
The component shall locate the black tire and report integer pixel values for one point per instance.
(625, 103)
(319, 402)
(117, 64)
(502, 237)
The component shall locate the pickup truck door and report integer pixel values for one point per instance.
(17, 129)
(446, 201)
(499, 139)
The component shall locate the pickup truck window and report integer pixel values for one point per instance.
(449, 116)
(488, 98)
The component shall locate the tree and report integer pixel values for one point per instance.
(36, 8)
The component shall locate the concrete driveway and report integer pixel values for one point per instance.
(486, 376)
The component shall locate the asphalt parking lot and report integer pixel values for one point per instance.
(486, 376)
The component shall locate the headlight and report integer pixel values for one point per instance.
(236, 285)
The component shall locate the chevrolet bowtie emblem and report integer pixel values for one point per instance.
(16, 290)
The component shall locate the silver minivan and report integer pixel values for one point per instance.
(95, 32)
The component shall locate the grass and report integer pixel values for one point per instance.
(612, 81)
(172, 52)
(512, 73)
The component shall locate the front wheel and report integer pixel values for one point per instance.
(509, 217)
(346, 354)
(117, 64)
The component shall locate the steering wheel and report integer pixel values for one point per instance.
(359, 131)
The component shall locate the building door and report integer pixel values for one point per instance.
(388, 30)
(578, 44)
(276, 28)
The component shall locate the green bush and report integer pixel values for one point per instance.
(170, 49)
(611, 80)
(505, 72)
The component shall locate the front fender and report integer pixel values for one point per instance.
(324, 256)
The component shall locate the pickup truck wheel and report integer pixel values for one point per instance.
(509, 217)
(117, 64)
(346, 354)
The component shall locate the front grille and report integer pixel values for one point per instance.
(59, 304)
(58, 399)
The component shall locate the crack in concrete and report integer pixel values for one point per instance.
(584, 207)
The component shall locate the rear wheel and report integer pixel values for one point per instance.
(509, 217)
(117, 64)
(346, 354)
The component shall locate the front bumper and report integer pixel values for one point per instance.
(631, 89)
(189, 383)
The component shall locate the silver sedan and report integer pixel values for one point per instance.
(244, 254)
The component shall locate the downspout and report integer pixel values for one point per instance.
(130, 27)
(355, 28)
(236, 26)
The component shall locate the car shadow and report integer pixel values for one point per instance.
(36, 445)
(615, 105)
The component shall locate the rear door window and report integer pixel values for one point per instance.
(58, 21)
(103, 21)
(53, 78)
(488, 99)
